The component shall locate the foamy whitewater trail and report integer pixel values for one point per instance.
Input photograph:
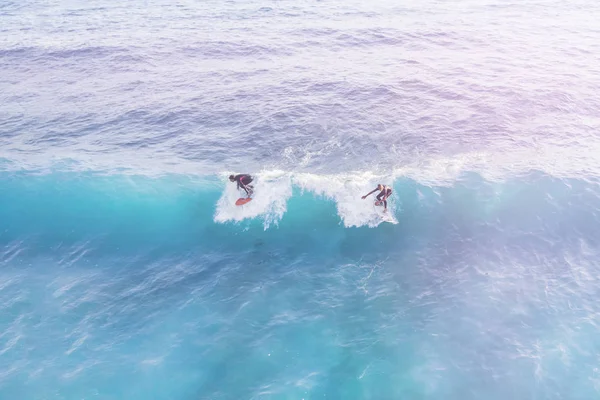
(274, 188)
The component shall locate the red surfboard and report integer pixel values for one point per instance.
(241, 201)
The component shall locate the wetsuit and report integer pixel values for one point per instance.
(243, 180)
(387, 192)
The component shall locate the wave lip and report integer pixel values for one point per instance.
(274, 188)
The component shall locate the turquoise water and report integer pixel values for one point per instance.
(127, 272)
(125, 287)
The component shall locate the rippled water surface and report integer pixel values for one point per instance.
(127, 272)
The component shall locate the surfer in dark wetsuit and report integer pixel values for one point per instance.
(243, 181)
(384, 193)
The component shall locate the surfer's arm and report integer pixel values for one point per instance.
(370, 193)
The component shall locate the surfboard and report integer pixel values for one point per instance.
(385, 216)
(388, 218)
(242, 200)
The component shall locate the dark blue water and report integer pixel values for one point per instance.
(127, 272)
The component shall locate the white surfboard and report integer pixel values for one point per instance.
(386, 216)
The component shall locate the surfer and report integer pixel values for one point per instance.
(243, 181)
(384, 193)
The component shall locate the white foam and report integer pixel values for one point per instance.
(347, 191)
(577, 159)
(272, 189)
(571, 162)
(271, 192)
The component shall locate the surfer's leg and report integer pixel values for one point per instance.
(387, 194)
(246, 184)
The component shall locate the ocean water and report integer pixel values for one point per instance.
(127, 272)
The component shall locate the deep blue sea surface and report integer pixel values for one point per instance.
(127, 272)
